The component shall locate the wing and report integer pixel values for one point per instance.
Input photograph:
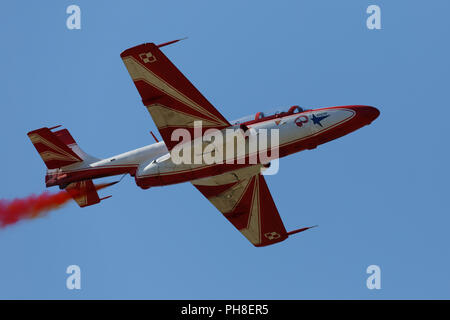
(173, 102)
(245, 200)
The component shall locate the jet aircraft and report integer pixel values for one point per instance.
(238, 190)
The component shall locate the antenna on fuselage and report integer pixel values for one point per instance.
(154, 137)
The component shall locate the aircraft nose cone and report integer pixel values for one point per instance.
(367, 113)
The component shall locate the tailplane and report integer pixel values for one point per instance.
(85, 192)
(61, 154)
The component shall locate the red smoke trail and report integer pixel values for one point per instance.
(12, 211)
(34, 206)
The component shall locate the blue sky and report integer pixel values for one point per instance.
(379, 194)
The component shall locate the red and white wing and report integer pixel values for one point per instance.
(245, 200)
(173, 102)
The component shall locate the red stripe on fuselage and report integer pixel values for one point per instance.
(64, 178)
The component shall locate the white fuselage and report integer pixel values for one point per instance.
(153, 165)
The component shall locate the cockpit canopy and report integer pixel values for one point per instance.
(260, 116)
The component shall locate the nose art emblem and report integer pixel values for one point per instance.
(301, 120)
(316, 120)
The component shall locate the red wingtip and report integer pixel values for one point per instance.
(54, 127)
(105, 198)
(300, 230)
(170, 42)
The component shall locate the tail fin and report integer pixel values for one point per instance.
(65, 137)
(53, 151)
(57, 149)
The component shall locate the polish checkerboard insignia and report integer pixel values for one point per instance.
(272, 235)
(147, 57)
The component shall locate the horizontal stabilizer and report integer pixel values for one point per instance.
(85, 192)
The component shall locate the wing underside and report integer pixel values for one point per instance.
(171, 99)
(242, 196)
(244, 199)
